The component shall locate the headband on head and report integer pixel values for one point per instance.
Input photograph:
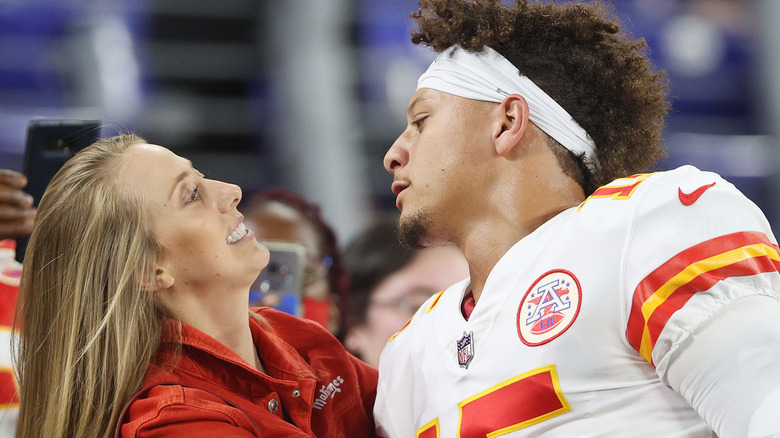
(488, 76)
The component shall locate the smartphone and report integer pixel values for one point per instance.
(50, 143)
(280, 284)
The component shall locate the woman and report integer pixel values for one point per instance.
(133, 314)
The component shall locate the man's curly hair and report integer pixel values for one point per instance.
(577, 54)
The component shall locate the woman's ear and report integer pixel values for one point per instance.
(162, 280)
(513, 122)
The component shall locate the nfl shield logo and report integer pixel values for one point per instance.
(465, 349)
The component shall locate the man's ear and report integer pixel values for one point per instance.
(513, 122)
(162, 280)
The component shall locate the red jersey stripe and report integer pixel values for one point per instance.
(661, 275)
(670, 286)
(436, 299)
(662, 313)
(9, 397)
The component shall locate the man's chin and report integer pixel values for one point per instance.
(413, 230)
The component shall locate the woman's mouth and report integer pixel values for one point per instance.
(237, 234)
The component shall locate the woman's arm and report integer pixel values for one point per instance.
(174, 410)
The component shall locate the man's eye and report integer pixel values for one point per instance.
(419, 122)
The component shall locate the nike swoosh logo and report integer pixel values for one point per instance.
(689, 198)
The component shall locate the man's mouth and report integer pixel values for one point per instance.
(399, 186)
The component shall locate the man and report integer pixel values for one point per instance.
(651, 308)
(17, 215)
(390, 282)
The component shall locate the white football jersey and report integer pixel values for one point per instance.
(10, 275)
(574, 328)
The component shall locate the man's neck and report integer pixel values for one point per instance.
(488, 243)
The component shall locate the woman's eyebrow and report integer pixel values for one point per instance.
(180, 178)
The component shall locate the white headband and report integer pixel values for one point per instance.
(488, 76)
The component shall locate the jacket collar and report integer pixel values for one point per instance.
(281, 360)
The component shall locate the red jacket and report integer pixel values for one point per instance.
(313, 387)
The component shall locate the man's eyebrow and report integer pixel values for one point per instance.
(418, 99)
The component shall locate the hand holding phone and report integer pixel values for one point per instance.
(16, 207)
(280, 284)
(50, 143)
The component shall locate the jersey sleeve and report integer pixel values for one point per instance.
(703, 290)
(10, 275)
(394, 406)
(394, 400)
(696, 244)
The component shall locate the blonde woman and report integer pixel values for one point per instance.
(134, 320)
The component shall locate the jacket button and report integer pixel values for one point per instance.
(273, 405)
(296, 393)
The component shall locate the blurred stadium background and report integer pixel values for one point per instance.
(308, 94)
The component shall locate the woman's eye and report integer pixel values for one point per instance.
(194, 197)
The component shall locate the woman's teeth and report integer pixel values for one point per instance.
(236, 235)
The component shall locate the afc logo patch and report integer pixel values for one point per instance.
(549, 307)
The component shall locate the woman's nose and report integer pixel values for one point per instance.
(229, 196)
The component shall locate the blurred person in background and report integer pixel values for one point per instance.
(283, 215)
(16, 220)
(134, 322)
(389, 284)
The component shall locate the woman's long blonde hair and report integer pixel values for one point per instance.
(88, 329)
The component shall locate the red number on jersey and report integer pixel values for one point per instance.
(511, 405)
(621, 188)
